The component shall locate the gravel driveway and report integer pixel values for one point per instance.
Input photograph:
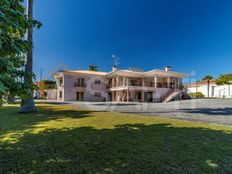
(218, 111)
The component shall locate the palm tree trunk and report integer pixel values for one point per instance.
(208, 85)
(27, 104)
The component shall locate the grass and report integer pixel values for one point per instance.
(59, 139)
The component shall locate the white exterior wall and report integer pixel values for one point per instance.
(203, 89)
(69, 89)
(91, 88)
(59, 88)
(224, 91)
(51, 94)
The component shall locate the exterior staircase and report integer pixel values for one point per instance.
(180, 94)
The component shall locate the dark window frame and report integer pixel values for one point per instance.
(97, 94)
(97, 81)
(60, 94)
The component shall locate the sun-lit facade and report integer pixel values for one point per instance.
(118, 85)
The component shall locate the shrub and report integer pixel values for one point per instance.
(197, 95)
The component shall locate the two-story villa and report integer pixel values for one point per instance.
(117, 85)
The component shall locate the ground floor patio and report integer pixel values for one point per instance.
(128, 96)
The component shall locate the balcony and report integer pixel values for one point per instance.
(143, 83)
(79, 85)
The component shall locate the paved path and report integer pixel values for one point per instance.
(218, 111)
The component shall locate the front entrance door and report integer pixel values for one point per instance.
(80, 96)
(110, 96)
(148, 97)
(139, 96)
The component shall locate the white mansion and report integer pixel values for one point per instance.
(117, 85)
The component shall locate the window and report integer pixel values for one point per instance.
(80, 83)
(97, 94)
(61, 82)
(60, 94)
(97, 81)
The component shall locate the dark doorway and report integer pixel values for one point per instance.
(80, 96)
(139, 94)
(148, 97)
(110, 96)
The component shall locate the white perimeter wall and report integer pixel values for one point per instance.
(224, 91)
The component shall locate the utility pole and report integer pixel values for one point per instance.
(27, 104)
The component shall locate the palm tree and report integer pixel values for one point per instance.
(27, 104)
(208, 78)
(93, 67)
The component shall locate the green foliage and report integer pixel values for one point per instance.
(93, 67)
(46, 84)
(197, 95)
(13, 46)
(208, 77)
(224, 79)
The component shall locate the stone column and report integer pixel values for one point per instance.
(124, 81)
(155, 81)
(143, 82)
(168, 82)
(112, 96)
(117, 84)
(142, 96)
(127, 95)
(113, 82)
(117, 96)
(127, 81)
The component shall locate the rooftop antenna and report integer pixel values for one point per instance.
(116, 60)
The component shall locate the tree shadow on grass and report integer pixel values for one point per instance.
(130, 148)
(11, 120)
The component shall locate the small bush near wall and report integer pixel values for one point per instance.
(197, 95)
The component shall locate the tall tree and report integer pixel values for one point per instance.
(225, 79)
(208, 78)
(13, 45)
(28, 104)
(93, 67)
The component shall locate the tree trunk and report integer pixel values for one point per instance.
(208, 83)
(10, 99)
(27, 104)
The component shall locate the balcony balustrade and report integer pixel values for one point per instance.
(139, 83)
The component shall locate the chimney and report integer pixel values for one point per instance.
(168, 68)
(114, 68)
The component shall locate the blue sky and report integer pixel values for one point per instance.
(189, 35)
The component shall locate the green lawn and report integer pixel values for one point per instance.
(60, 139)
